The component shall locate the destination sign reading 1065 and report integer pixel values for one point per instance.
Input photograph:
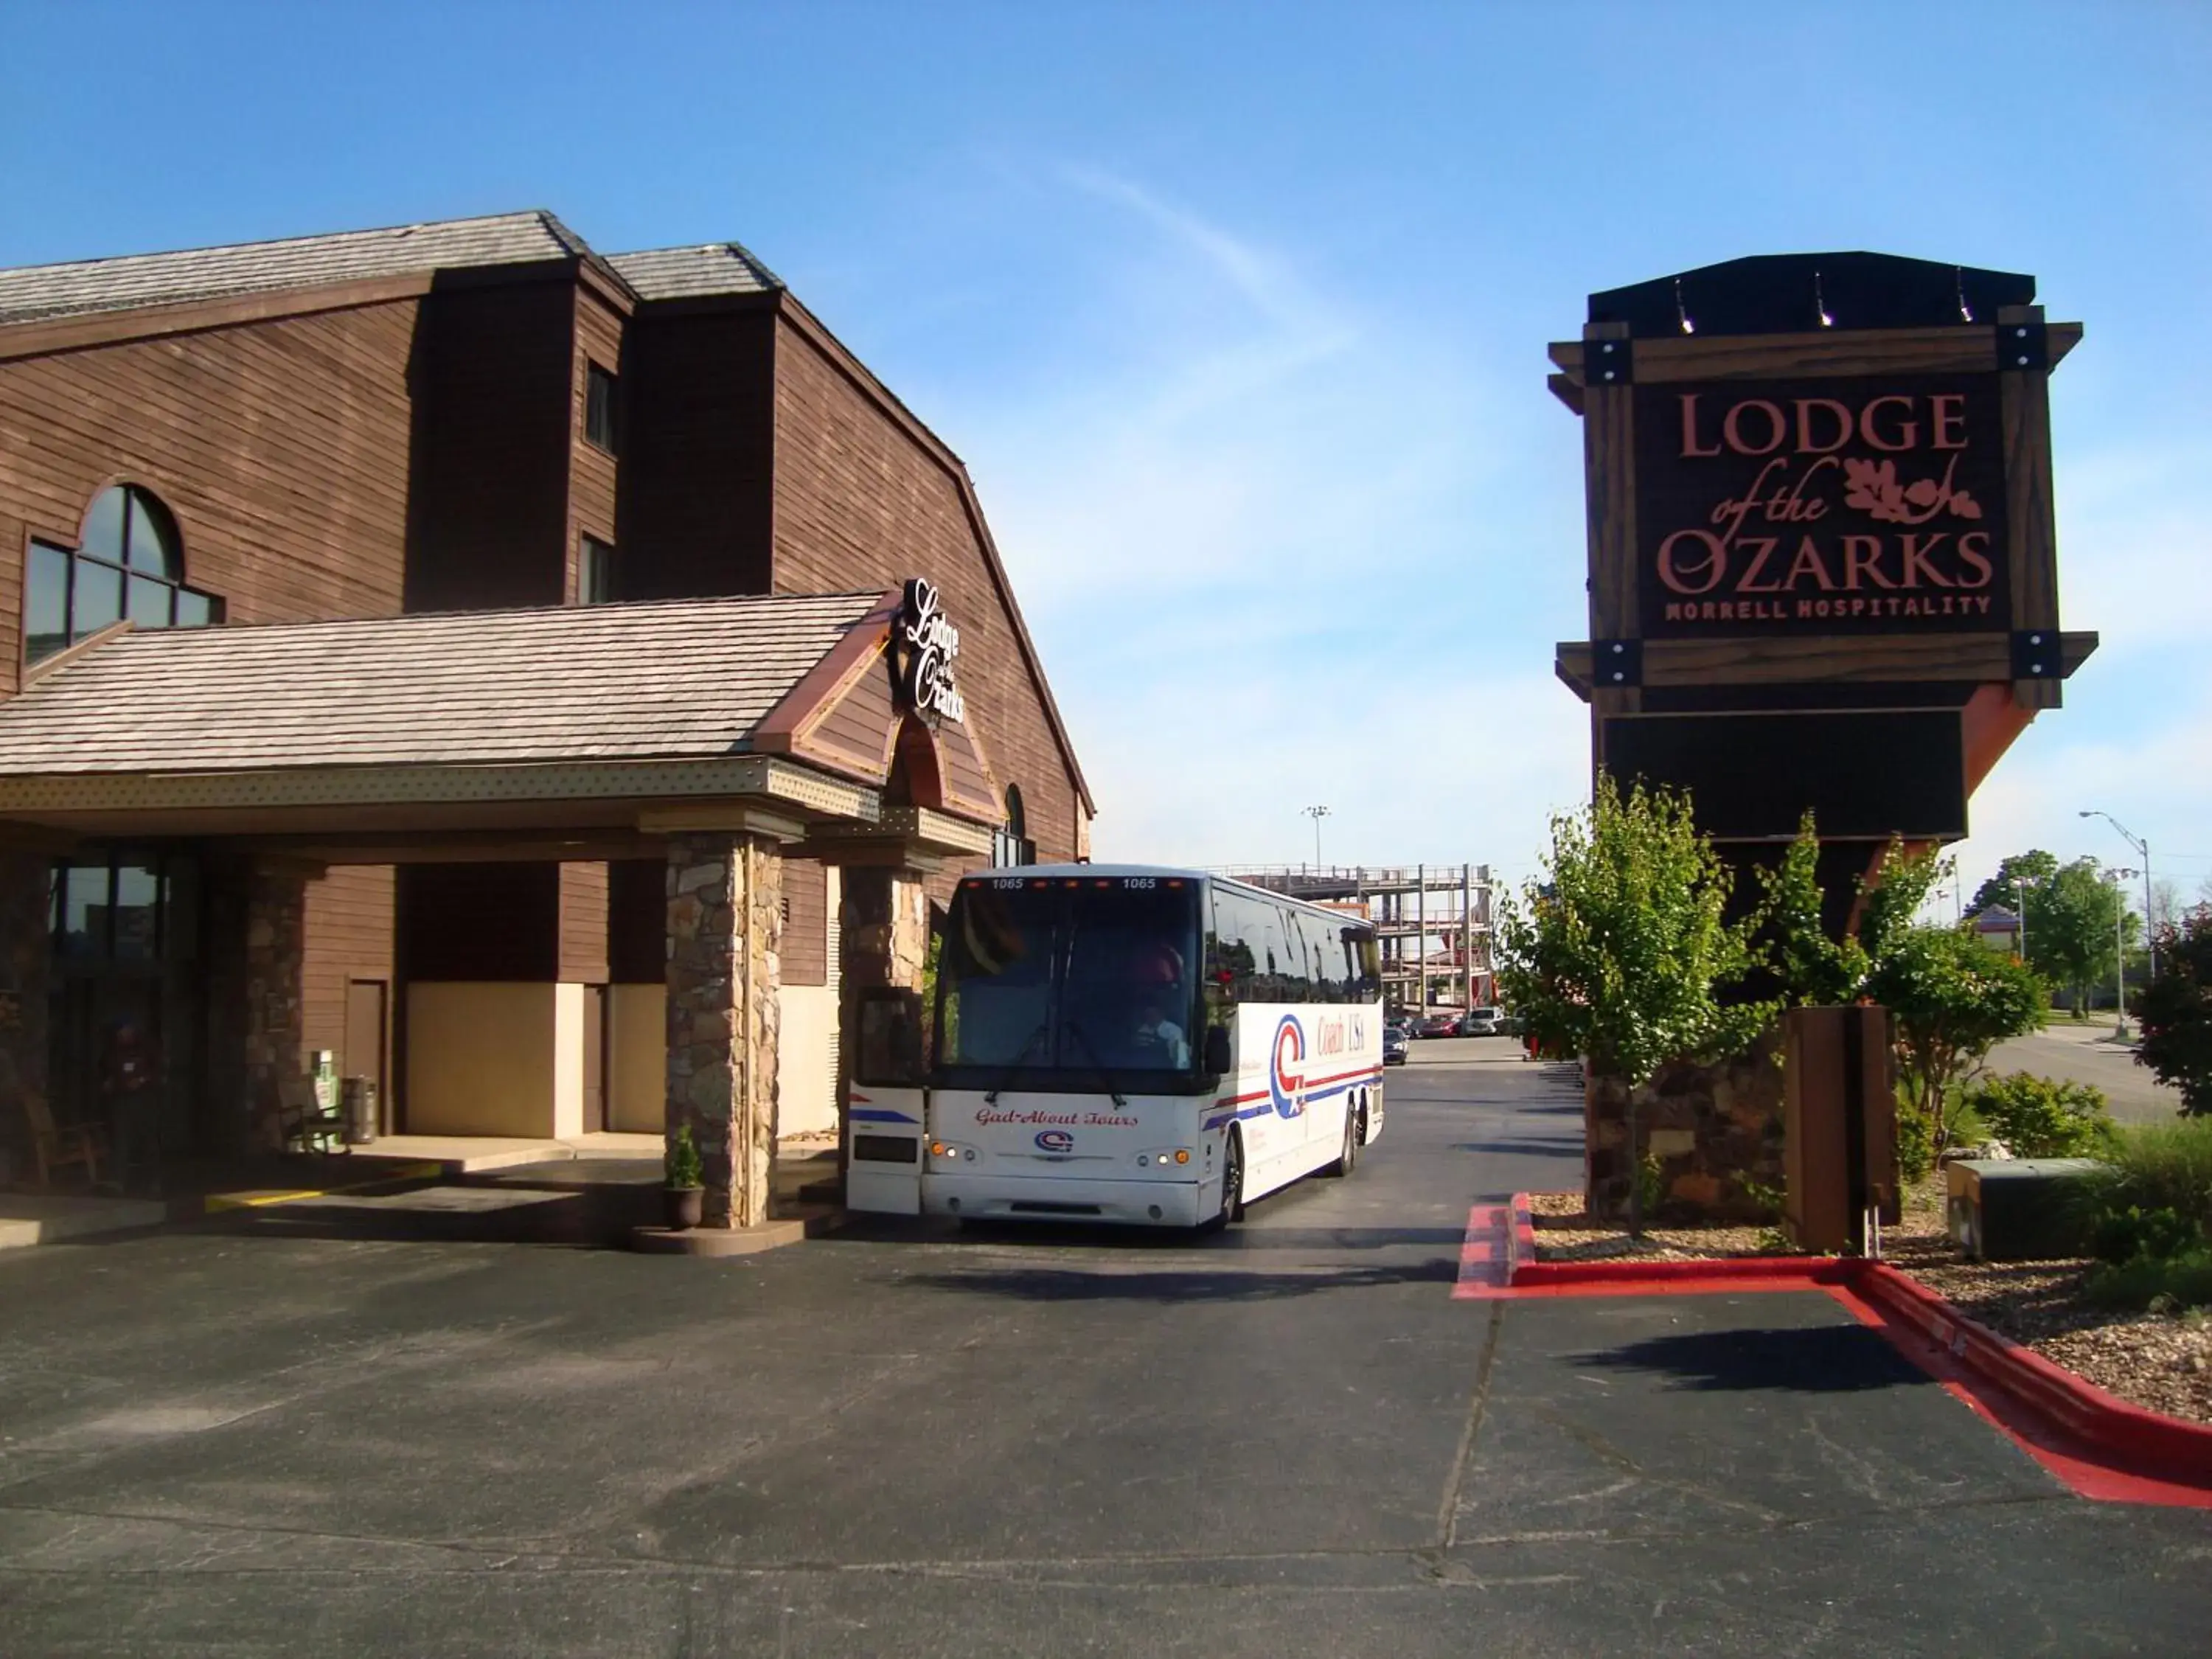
(1125, 883)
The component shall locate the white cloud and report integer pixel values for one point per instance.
(1253, 539)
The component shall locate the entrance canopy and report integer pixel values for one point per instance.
(577, 733)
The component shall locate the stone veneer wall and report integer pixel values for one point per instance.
(725, 930)
(1711, 1126)
(26, 955)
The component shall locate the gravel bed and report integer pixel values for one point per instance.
(2159, 1361)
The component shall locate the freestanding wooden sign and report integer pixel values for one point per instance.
(1822, 567)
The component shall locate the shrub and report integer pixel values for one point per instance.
(2124, 1235)
(684, 1167)
(2043, 1117)
(1916, 1141)
(2163, 1284)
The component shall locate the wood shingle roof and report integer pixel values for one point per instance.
(683, 679)
(29, 293)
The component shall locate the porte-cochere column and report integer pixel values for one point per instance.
(725, 928)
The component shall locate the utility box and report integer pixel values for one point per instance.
(1839, 1147)
(2018, 1209)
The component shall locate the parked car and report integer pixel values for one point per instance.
(1482, 1021)
(1437, 1025)
(1394, 1045)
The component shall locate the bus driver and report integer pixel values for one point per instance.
(1158, 978)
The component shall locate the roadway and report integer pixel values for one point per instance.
(276, 1436)
(2085, 1052)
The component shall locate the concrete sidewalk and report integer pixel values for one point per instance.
(29, 1218)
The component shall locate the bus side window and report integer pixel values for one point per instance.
(1367, 964)
(1297, 959)
(1231, 966)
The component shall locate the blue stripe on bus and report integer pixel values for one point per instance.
(877, 1114)
(1206, 1126)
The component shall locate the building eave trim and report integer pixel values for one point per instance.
(756, 775)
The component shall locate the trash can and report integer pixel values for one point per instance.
(359, 1111)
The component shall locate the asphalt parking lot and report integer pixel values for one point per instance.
(339, 1432)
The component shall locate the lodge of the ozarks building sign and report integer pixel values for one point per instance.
(1863, 504)
(925, 649)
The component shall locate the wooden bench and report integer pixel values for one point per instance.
(63, 1146)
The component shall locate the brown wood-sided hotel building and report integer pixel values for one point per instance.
(498, 664)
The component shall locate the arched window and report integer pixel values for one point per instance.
(126, 566)
(1011, 843)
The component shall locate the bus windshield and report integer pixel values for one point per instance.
(1083, 985)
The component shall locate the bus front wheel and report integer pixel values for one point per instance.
(1232, 1184)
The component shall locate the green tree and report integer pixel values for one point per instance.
(1812, 969)
(2073, 922)
(2176, 1011)
(1889, 904)
(2021, 872)
(1954, 999)
(1620, 951)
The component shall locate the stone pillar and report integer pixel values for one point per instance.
(26, 958)
(724, 929)
(256, 941)
(1713, 1134)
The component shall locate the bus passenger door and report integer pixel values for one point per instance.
(886, 1108)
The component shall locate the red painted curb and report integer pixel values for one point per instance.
(1818, 1269)
(2169, 1447)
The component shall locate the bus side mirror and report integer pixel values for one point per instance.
(1217, 1050)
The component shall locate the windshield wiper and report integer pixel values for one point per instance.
(1014, 1066)
(1097, 1065)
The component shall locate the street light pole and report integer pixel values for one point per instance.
(2143, 851)
(1316, 813)
(2120, 952)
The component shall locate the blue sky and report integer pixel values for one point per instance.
(1237, 314)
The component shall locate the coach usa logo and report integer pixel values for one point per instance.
(1054, 1141)
(1286, 1076)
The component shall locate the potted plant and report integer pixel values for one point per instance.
(684, 1196)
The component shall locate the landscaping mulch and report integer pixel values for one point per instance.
(2162, 1362)
(1566, 1231)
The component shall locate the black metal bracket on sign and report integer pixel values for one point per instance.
(1616, 663)
(2022, 346)
(2035, 655)
(1607, 362)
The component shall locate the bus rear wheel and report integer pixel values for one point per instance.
(1347, 1157)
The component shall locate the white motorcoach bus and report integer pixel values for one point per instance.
(1119, 1043)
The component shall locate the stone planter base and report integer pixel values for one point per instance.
(717, 1240)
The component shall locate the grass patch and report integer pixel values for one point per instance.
(2160, 1166)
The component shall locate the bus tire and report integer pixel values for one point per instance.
(1347, 1157)
(1232, 1184)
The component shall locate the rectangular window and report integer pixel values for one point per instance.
(96, 600)
(85, 911)
(193, 609)
(138, 913)
(45, 606)
(599, 407)
(149, 602)
(595, 573)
